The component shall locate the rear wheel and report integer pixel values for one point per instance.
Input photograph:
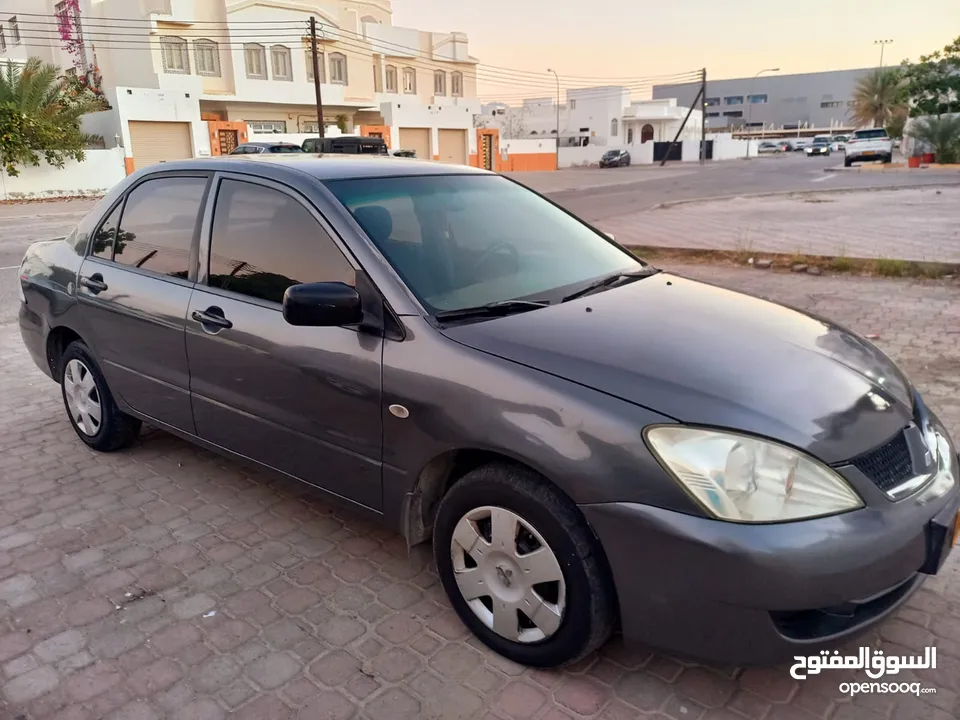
(522, 568)
(847, 162)
(90, 406)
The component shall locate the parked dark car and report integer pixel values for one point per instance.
(346, 144)
(615, 158)
(259, 148)
(589, 442)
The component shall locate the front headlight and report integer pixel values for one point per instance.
(744, 479)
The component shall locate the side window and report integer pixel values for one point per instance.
(264, 241)
(158, 225)
(104, 237)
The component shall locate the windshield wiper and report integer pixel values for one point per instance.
(620, 278)
(494, 309)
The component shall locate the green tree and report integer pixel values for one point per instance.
(941, 133)
(39, 116)
(877, 96)
(933, 83)
(342, 123)
(896, 123)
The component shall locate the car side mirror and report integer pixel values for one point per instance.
(611, 236)
(322, 304)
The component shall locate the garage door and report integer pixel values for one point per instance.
(453, 146)
(155, 142)
(417, 139)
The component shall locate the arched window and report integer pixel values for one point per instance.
(320, 64)
(338, 68)
(614, 128)
(206, 56)
(391, 73)
(646, 134)
(175, 56)
(280, 63)
(456, 84)
(255, 60)
(410, 81)
(439, 82)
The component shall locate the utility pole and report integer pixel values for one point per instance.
(703, 117)
(698, 102)
(558, 114)
(316, 73)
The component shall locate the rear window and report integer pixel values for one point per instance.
(286, 149)
(871, 134)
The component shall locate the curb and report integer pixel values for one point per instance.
(787, 193)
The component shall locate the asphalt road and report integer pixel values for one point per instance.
(596, 195)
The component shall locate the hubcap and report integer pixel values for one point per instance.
(508, 574)
(83, 397)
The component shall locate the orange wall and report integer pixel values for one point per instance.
(516, 162)
(381, 130)
(531, 162)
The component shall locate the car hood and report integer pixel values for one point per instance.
(704, 355)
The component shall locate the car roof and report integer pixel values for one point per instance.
(268, 144)
(324, 166)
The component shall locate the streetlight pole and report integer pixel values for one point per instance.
(750, 104)
(881, 43)
(558, 115)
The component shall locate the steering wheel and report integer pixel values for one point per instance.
(493, 250)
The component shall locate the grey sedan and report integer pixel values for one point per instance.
(591, 445)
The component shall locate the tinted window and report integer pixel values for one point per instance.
(264, 241)
(285, 149)
(870, 134)
(103, 239)
(158, 225)
(460, 241)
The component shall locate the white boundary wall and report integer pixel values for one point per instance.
(100, 171)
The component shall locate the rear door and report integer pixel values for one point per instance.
(302, 400)
(134, 291)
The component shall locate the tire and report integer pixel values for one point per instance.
(86, 395)
(576, 614)
(847, 162)
(887, 159)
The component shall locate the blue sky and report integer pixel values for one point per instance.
(640, 38)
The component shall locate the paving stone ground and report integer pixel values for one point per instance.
(166, 582)
(907, 224)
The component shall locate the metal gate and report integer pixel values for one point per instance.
(486, 152)
(228, 141)
(660, 151)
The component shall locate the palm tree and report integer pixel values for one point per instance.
(42, 114)
(941, 133)
(878, 96)
(37, 91)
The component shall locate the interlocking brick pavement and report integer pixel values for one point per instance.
(906, 224)
(166, 582)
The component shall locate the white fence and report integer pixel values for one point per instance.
(100, 171)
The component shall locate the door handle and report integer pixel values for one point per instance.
(212, 316)
(94, 283)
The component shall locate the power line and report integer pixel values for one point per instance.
(154, 42)
(416, 52)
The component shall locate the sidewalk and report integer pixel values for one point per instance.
(906, 224)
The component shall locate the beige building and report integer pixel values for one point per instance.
(195, 77)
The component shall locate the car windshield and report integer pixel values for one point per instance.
(461, 241)
(821, 140)
(870, 134)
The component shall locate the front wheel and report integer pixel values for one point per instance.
(90, 406)
(522, 568)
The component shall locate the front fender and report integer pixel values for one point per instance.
(588, 443)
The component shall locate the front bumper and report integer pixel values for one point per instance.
(759, 594)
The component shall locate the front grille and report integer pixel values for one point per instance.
(888, 465)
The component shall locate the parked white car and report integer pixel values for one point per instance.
(867, 145)
(839, 143)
